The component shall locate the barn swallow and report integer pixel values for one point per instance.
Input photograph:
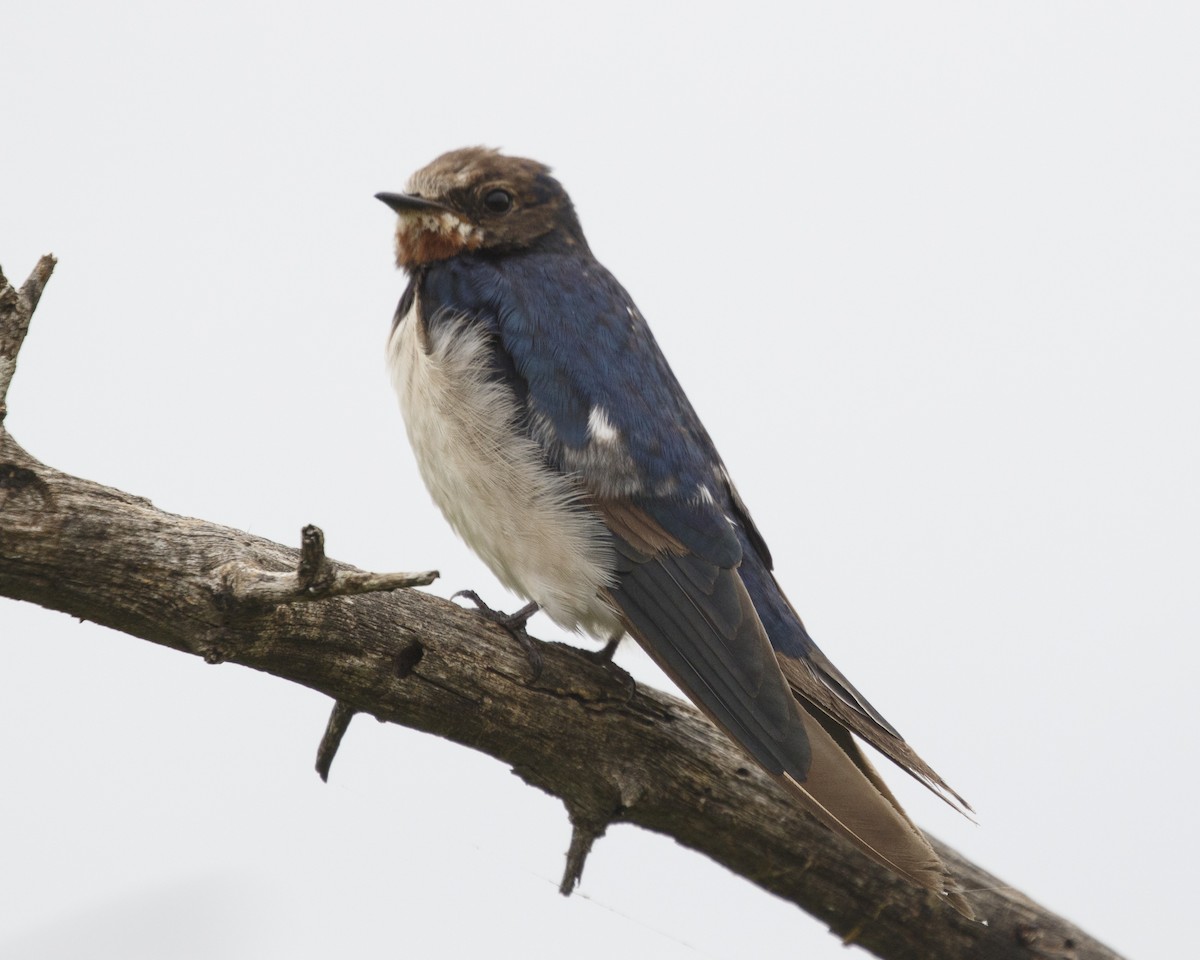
(554, 437)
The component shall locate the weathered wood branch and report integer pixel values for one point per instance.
(247, 587)
(16, 310)
(97, 553)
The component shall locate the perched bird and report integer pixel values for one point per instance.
(554, 437)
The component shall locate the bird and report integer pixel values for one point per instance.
(553, 435)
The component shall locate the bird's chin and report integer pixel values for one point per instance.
(426, 237)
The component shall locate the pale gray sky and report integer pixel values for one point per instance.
(928, 272)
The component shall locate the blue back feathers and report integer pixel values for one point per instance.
(570, 340)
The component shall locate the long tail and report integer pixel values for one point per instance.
(844, 791)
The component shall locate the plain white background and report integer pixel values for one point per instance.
(929, 275)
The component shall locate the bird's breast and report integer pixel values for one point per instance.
(525, 520)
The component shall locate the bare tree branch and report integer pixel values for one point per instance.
(94, 552)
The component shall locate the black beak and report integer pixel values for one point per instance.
(404, 203)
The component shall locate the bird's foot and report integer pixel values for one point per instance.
(604, 657)
(514, 623)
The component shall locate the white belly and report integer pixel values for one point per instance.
(491, 482)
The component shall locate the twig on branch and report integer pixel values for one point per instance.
(576, 731)
(339, 723)
(585, 831)
(316, 577)
(16, 308)
(241, 585)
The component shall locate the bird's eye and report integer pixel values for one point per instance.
(498, 201)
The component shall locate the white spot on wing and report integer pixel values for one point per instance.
(600, 428)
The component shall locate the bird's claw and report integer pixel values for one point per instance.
(604, 658)
(514, 623)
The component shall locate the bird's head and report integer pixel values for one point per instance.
(475, 199)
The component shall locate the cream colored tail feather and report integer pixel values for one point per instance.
(869, 816)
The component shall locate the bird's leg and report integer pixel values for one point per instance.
(514, 623)
(604, 657)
